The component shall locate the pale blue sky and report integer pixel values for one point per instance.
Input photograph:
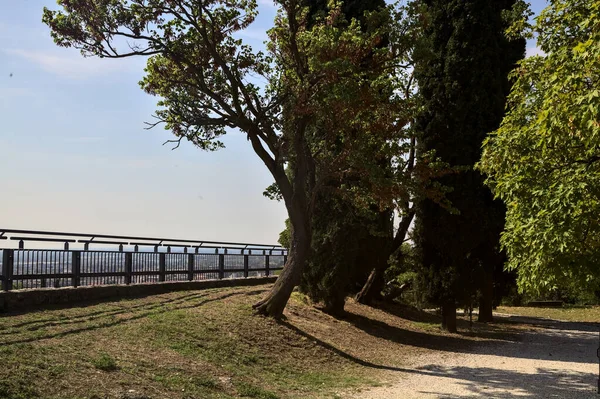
(74, 155)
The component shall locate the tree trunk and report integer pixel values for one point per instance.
(449, 316)
(274, 303)
(486, 300)
(372, 287)
(335, 305)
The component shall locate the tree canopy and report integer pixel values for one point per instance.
(316, 112)
(544, 160)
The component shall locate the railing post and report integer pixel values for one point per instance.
(161, 267)
(267, 259)
(190, 267)
(284, 259)
(128, 267)
(221, 266)
(245, 265)
(76, 268)
(8, 257)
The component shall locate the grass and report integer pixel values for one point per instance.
(251, 391)
(195, 344)
(105, 362)
(208, 344)
(567, 313)
(427, 326)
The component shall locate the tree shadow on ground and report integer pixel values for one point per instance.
(340, 352)
(423, 339)
(119, 307)
(104, 319)
(407, 312)
(492, 331)
(549, 324)
(503, 384)
(485, 381)
(482, 381)
(550, 340)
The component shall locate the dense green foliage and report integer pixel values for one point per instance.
(342, 229)
(345, 245)
(286, 235)
(350, 237)
(317, 116)
(544, 161)
(329, 108)
(463, 83)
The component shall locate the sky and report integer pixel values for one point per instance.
(75, 155)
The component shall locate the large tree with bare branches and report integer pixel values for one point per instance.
(337, 115)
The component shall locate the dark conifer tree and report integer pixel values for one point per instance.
(346, 239)
(464, 84)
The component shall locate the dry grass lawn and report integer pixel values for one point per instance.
(208, 344)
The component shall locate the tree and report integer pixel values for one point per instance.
(350, 236)
(413, 177)
(203, 75)
(285, 235)
(544, 160)
(343, 231)
(463, 83)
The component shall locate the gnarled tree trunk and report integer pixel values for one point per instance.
(274, 303)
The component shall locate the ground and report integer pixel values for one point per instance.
(208, 344)
(550, 359)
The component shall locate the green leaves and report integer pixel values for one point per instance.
(196, 66)
(544, 161)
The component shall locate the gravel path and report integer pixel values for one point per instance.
(552, 360)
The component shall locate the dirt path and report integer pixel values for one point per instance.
(552, 360)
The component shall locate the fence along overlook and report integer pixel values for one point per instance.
(81, 259)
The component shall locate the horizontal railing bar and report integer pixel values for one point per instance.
(148, 273)
(167, 244)
(161, 240)
(42, 239)
(147, 252)
(163, 245)
(244, 248)
(103, 274)
(137, 273)
(40, 276)
(103, 242)
(65, 251)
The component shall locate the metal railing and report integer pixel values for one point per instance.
(126, 260)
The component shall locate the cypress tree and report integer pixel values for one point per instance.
(464, 86)
(346, 238)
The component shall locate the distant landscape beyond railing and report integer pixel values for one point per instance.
(126, 260)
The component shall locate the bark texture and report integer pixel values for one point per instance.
(274, 303)
(372, 288)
